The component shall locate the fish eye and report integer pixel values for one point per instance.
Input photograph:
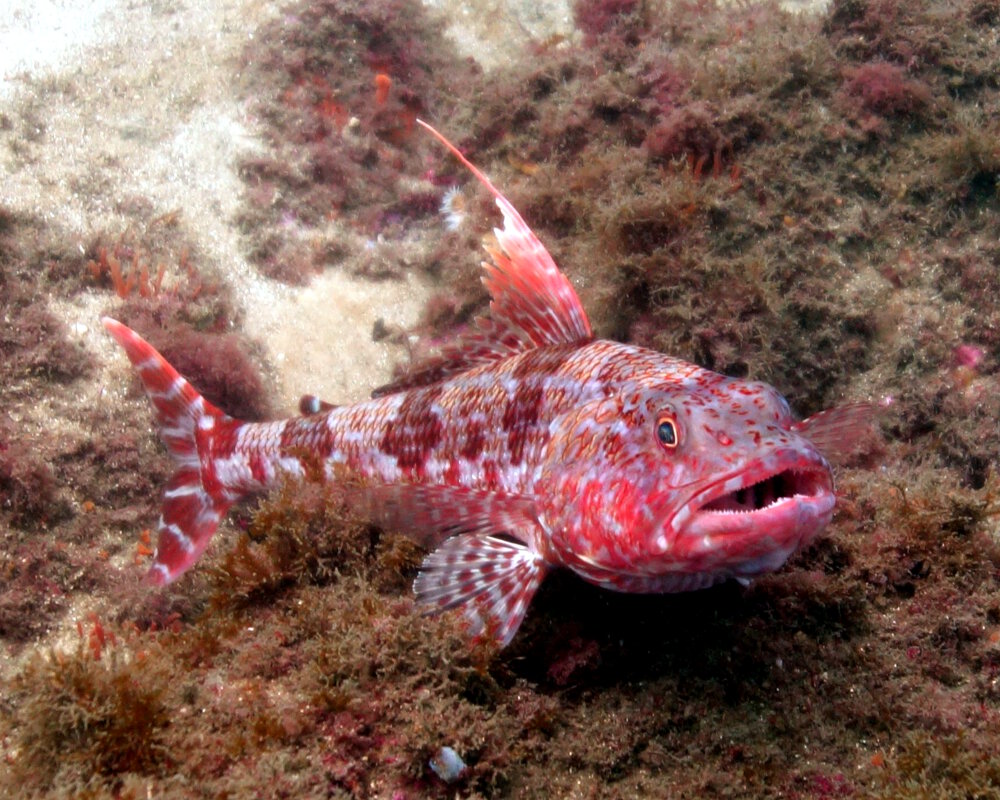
(666, 431)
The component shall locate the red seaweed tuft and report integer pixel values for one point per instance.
(600, 17)
(884, 88)
(690, 130)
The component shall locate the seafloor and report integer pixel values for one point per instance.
(806, 199)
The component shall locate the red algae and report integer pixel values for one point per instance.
(884, 89)
(690, 131)
(341, 137)
(602, 17)
(219, 364)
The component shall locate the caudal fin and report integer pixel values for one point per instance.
(194, 501)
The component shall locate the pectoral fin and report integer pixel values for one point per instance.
(838, 431)
(491, 579)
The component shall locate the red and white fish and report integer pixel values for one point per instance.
(526, 446)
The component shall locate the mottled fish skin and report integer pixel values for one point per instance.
(527, 445)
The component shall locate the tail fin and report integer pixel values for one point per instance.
(194, 501)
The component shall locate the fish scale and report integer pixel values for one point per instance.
(442, 433)
(525, 446)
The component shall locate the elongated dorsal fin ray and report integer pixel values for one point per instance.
(527, 288)
(491, 579)
(532, 303)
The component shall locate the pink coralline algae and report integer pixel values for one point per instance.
(969, 356)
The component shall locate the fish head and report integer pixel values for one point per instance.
(680, 481)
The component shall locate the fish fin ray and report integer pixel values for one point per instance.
(532, 303)
(491, 579)
(528, 290)
(838, 431)
(192, 506)
(188, 518)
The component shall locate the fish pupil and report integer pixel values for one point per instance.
(666, 433)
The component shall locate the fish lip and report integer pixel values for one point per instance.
(804, 488)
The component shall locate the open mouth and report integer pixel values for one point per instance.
(769, 491)
(751, 521)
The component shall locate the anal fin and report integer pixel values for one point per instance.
(491, 579)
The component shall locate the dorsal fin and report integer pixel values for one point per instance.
(531, 302)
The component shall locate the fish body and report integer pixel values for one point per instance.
(527, 445)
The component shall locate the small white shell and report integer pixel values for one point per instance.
(447, 765)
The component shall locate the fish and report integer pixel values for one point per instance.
(525, 446)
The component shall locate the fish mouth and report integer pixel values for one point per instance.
(785, 504)
(758, 494)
